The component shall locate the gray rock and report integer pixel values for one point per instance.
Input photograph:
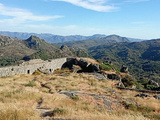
(152, 82)
(107, 103)
(69, 93)
(109, 90)
(99, 76)
(142, 95)
(156, 97)
(83, 64)
(113, 76)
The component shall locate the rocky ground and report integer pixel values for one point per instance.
(66, 95)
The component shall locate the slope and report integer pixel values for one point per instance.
(95, 41)
(70, 96)
(13, 50)
(142, 58)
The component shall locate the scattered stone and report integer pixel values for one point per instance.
(107, 103)
(142, 95)
(99, 76)
(69, 93)
(48, 114)
(156, 97)
(109, 90)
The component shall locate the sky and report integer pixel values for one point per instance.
(127, 18)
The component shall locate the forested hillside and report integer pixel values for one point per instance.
(142, 58)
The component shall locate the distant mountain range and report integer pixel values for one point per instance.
(51, 38)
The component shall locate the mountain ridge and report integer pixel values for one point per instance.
(13, 50)
(142, 58)
(51, 38)
(84, 44)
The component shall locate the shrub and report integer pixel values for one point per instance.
(150, 87)
(31, 84)
(75, 97)
(105, 67)
(145, 109)
(128, 81)
(139, 86)
(59, 111)
(100, 61)
(37, 72)
(129, 106)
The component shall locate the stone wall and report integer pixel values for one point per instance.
(31, 66)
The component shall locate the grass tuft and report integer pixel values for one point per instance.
(31, 84)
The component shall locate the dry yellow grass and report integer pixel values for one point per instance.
(90, 60)
(19, 96)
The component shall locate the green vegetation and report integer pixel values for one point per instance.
(75, 97)
(142, 58)
(13, 51)
(128, 81)
(31, 84)
(144, 109)
(105, 67)
(8, 61)
(85, 44)
(59, 111)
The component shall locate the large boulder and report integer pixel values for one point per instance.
(93, 68)
(83, 64)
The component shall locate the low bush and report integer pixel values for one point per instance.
(31, 84)
(59, 111)
(105, 67)
(75, 97)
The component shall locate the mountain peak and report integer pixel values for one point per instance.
(35, 42)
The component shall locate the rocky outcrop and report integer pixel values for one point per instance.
(99, 75)
(113, 77)
(152, 82)
(108, 102)
(83, 64)
(124, 69)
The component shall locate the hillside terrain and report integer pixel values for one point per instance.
(67, 95)
(95, 42)
(13, 50)
(142, 58)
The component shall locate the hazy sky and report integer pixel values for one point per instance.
(129, 18)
